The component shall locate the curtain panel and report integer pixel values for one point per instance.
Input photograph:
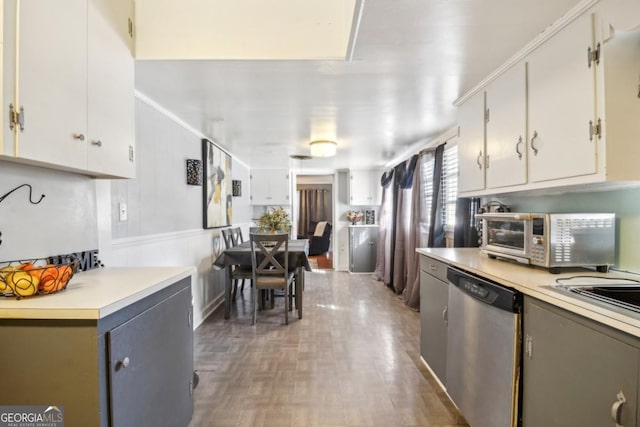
(382, 272)
(315, 206)
(411, 217)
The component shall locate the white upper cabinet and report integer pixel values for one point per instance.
(52, 82)
(365, 188)
(471, 147)
(562, 104)
(71, 87)
(270, 187)
(568, 118)
(111, 113)
(506, 126)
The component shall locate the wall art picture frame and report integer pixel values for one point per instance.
(237, 188)
(217, 186)
(194, 172)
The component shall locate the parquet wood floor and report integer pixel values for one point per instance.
(353, 360)
(324, 261)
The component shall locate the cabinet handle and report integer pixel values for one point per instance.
(518, 144)
(533, 145)
(616, 408)
(371, 243)
(478, 160)
(445, 315)
(78, 136)
(432, 267)
(97, 143)
(123, 363)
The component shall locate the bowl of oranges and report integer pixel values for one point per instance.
(26, 278)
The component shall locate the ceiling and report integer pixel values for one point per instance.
(410, 60)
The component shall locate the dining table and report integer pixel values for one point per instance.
(240, 255)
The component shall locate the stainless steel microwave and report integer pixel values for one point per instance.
(550, 240)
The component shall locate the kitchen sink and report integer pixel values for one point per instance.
(620, 293)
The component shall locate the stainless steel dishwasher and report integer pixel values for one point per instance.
(483, 349)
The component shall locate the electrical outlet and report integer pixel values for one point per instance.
(123, 211)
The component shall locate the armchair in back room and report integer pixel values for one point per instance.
(321, 238)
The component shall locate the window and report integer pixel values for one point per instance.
(448, 190)
(449, 185)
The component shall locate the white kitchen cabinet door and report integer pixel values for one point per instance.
(270, 187)
(2, 116)
(562, 104)
(52, 83)
(506, 161)
(365, 188)
(471, 147)
(111, 115)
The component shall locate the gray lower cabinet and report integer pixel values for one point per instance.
(434, 292)
(363, 249)
(151, 366)
(574, 369)
(131, 368)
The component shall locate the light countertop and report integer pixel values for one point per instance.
(95, 294)
(536, 282)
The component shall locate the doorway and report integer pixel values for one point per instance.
(314, 199)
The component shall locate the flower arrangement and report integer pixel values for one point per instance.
(354, 216)
(276, 219)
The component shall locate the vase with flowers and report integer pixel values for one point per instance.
(274, 220)
(354, 216)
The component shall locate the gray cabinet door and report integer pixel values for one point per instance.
(433, 326)
(574, 370)
(154, 388)
(363, 249)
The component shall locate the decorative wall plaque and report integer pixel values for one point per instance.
(194, 172)
(237, 188)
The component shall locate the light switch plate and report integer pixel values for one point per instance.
(123, 211)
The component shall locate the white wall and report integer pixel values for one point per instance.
(63, 222)
(164, 225)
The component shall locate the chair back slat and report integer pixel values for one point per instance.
(227, 236)
(232, 237)
(237, 235)
(269, 261)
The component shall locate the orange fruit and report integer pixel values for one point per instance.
(64, 275)
(49, 278)
(34, 270)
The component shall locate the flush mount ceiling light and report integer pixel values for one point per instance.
(323, 148)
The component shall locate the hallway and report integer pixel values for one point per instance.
(353, 360)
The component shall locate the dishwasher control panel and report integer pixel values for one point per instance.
(484, 290)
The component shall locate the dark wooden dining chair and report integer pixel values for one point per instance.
(233, 237)
(270, 272)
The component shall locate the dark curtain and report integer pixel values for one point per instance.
(382, 272)
(414, 219)
(465, 234)
(436, 226)
(402, 221)
(315, 206)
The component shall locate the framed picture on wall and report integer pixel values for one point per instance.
(217, 187)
